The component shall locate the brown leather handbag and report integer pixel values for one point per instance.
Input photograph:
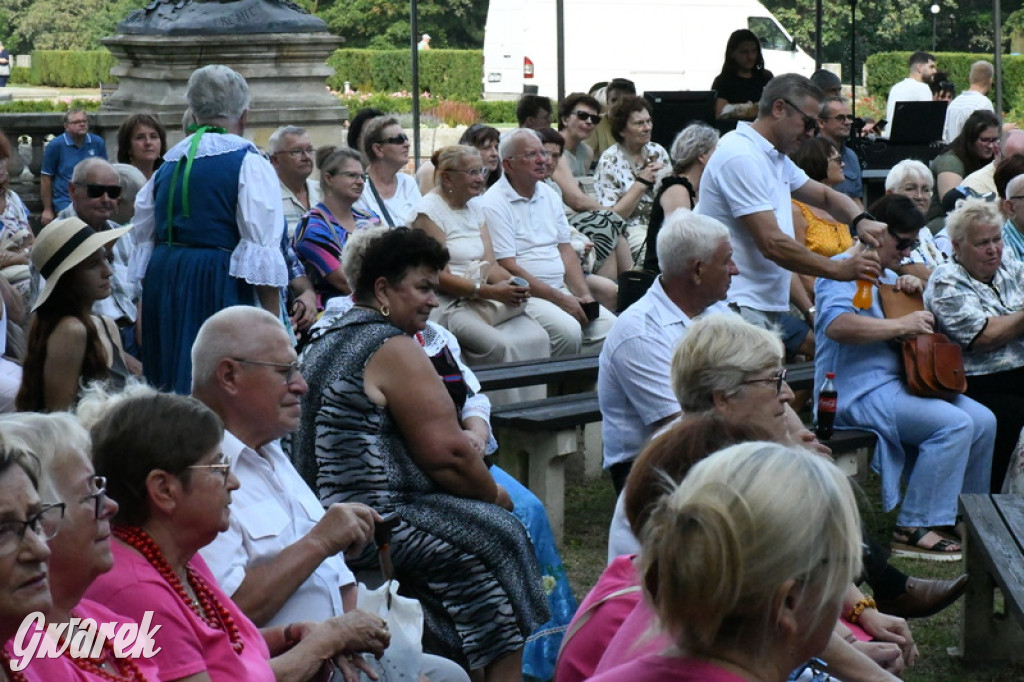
(934, 365)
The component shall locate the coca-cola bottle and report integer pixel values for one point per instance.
(827, 399)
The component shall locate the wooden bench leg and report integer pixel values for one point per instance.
(545, 454)
(985, 636)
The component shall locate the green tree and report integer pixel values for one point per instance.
(63, 25)
(384, 24)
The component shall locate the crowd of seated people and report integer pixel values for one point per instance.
(506, 247)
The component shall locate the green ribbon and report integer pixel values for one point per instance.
(197, 132)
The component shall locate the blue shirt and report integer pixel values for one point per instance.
(853, 185)
(60, 158)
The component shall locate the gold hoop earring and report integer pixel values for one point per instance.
(385, 310)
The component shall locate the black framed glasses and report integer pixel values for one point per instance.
(222, 467)
(904, 243)
(842, 118)
(296, 153)
(100, 496)
(778, 379)
(401, 138)
(288, 370)
(810, 123)
(587, 116)
(96, 191)
(45, 523)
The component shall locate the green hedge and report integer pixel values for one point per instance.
(449, 74)
(21, 74)
(71, 69)
(45, 106)
(492, 113)
(887, 68)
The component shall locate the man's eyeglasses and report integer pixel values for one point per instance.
(842, 118)
(78, 122)
(587, 116)
(472, 172)
(100, 496)
(288, 370)
(222, 467)
(532, 154)
(904, 243)
(296, 153)
(810, 123)
(96, 191)
(45, 523)
(778, 379)
(396, 139)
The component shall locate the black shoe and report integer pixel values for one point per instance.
(923, 598)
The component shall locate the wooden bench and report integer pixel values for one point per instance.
(994, 560)
(535, 439)
(570, 368)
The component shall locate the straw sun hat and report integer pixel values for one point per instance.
(62, 245)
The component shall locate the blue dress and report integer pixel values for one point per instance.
(202, 263)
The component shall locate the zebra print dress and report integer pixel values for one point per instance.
(469, 563)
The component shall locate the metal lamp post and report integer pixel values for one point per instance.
(935, 16)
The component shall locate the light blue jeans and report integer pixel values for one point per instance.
(954, 442)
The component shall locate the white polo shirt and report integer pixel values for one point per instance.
(528, 230)
(634, 382)
(273, 509)
(747, 175)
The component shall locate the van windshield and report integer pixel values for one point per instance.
(768, 32)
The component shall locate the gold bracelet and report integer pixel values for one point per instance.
(859, 607)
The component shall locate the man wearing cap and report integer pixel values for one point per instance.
(95, 191)
(835, 122)
(60, 157)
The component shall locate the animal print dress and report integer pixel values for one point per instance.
(470, 563)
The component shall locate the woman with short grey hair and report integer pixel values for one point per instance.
(208, 228)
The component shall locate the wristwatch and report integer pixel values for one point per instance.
(856, 221)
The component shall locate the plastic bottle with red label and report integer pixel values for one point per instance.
(827, 402)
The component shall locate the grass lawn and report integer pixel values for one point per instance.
(589, 506)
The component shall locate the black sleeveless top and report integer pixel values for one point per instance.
(658, 217)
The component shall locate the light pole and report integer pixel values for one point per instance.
(935, 16)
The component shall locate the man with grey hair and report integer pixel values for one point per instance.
(748, 184)
(530, 235)
(974, 98)
(634, 381)
(60, 157)
(282, 557)
(292, 155)
(836, 121)
(1013, 228)
(209, 228)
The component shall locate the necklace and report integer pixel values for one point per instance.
(205, 603)
(124, 670)
(13, 676)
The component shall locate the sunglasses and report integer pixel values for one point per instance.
(397, 139)
(587, 116)
(904, 243)
(842, 118)
(96, 191)
(810, 123)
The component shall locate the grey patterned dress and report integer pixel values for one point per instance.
(468, 562)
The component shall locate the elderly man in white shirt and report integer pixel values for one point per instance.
(281, 559)
(530, 235)
(292, 156)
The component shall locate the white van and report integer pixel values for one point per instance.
(658, 44)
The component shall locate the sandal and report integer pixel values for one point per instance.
(908, 542)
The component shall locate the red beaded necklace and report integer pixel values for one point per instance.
(13, 676)
(125, 669)
(205, 605)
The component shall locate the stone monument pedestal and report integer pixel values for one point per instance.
(286, 73)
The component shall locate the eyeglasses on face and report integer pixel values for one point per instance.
(96, 191)
(78, 122)
(810, 123)
(472, 172)
(45, 523)
(532, 154)
(587, 116)
(401, 138)
(989, 140)
(303, 151)
(842, 118)
(778, 379)
(100, 496)
(349, 174)
(904, 243)
(836, 158)
(288, 370)
(222, 467)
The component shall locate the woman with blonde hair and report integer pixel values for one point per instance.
(389, 192)
(748, 583)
